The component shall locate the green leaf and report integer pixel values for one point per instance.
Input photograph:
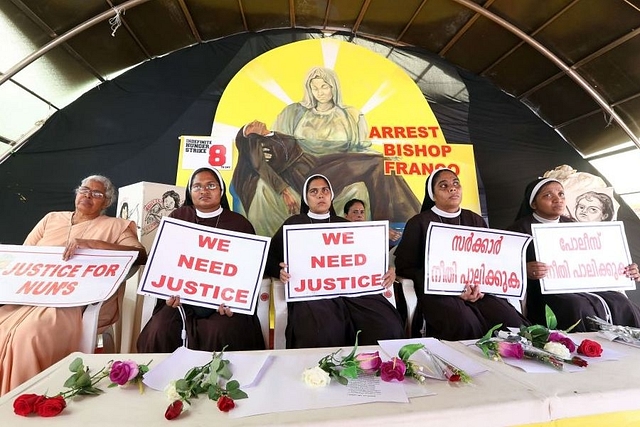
(182, 385)
(407, 350)
(574, 325)
(355, 347)
(224, 371)
(342, 380)
(84, 380)
(70, 382)
(552, 322)
(214, 392)
(237, 394)
(233, 385)
(191, 374)
(350, 372)
(76, 365)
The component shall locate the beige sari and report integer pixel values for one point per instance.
(34, 338)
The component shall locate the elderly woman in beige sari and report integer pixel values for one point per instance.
(34, 338)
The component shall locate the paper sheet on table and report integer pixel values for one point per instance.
(537, 367)
(246, 367)
(454, 357)
(282, 389)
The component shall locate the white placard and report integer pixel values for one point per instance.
(332, 260)
(582, 256)
(199, 151)
(37, 275)
(493, 259)
(205, 266)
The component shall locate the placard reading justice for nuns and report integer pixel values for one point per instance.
(205, 266)
(37, 275)
(333, 260)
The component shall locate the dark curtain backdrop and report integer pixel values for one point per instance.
(128, 129)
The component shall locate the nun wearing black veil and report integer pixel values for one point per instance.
(544, 202)
(331, 322)
(471, 314)
(207, 329)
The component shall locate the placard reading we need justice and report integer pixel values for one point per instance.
(205, 266)
(335, 259)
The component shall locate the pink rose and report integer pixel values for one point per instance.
(510, 349)
(369, 362)
(564, 340)
(393, 370)
(123, 372)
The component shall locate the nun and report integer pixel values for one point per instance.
(331, 322)
(544, 202)
(206, 329)
(471, 314)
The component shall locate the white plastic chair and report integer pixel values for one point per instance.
(408, 291)
(262, 309)
(90, 318)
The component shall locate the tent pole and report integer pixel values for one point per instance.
(66, 36)
(553, 58)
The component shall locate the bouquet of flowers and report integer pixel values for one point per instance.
(626, 334)
(213, 378)
(81, 382)
(396, 369)
(543, 343)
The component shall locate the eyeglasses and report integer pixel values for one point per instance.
(316, 191)
(197, 188)
(85, 191)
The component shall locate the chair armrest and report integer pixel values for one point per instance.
(280, 315)
(262, 308)
(89, 336)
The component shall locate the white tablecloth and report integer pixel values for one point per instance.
(501, 396)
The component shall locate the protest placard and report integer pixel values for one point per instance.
(37, 275)
(456, 255)
(205, 266)
(335, 259)
(583, 256)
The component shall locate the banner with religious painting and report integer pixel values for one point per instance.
(310, 107)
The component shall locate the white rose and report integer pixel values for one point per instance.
(316, 377)
(558, 349)
(171, 392)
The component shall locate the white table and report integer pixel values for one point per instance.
(501, 396)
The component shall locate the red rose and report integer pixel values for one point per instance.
(590, 348)
(50, 406)
(174, 410)
(225, 403)
(578, 361)
(25, 404)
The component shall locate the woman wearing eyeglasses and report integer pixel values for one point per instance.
(205, 203)
(331, 322)
(34, 338)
